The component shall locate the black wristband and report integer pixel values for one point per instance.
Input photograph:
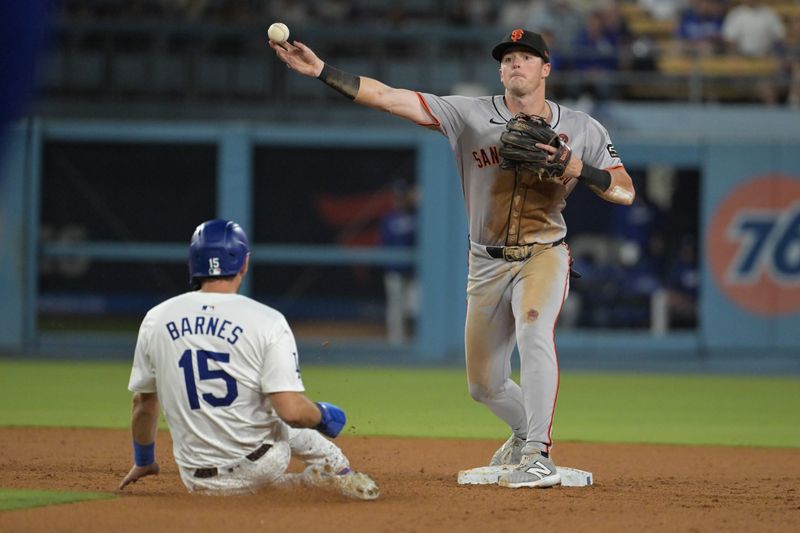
(596, 177)
(341, 81)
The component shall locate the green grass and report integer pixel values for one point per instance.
(21, 499)
(66, 394)
(677, 409)
(680, 409)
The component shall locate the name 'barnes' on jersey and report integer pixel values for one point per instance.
(204, 325)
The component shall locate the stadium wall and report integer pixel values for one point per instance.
(749, 235)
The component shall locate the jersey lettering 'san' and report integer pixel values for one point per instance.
(205, 325)
(486, 157)
(473, 127)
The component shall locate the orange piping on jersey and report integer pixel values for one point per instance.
(466, 296)
(614, 167)
(435, 124)
(549, 443)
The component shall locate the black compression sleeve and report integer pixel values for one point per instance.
(594, 176)
(343, 82)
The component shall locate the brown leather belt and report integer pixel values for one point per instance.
(253, 456)
(519, 253)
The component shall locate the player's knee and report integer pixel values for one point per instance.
(480, 393)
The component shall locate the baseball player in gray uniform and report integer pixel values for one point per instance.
(519, 266)
(226, 372)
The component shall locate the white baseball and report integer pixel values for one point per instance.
(278, 32)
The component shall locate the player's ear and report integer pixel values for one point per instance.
(546, 68)
(246, 265)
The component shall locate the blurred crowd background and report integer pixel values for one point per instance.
(695, 50)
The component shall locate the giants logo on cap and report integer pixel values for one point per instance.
(754, 246)
(516, 35)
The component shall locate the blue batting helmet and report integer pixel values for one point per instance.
(218, 248)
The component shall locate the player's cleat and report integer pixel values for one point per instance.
(535, 470)
(348, 482)
(510, 453)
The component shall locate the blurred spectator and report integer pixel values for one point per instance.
(637, 278)
(596, 57)
(699, 29)
(290, 12)
(558, 18)
(597, 291)
(663, 9)
(188, 9)
(792, 66)
(109, 8)
(594, 49)
(585, 6)
(398, 228)
(617, 30)
(471, 13)
(754, 29)
(333, 11)
(682, 285)
(516, 13)
(616, 287)
(396, 16)
(138, 9)
(639, 224)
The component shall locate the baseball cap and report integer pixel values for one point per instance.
(525, 39)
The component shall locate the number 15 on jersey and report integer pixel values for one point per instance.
(206, 374)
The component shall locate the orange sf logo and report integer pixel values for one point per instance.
(516, 35)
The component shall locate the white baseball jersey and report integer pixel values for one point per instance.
(500, 210)
(213, 358)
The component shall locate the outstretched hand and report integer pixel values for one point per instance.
(298, 57)
(138, 472)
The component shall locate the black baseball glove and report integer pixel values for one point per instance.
(519, 151)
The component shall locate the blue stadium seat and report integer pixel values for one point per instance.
(251, 74)
(129, 71)
(169, 73)
(85, 70)
(211, 74)
(52, 70)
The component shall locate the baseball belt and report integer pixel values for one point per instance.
(521, 252)
(253, 457)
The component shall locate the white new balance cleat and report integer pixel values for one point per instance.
(535, 470)
(510, 453)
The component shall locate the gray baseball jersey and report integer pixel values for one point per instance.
(517, 302)
(473, 127)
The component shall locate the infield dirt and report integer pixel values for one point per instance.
(637, 488)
